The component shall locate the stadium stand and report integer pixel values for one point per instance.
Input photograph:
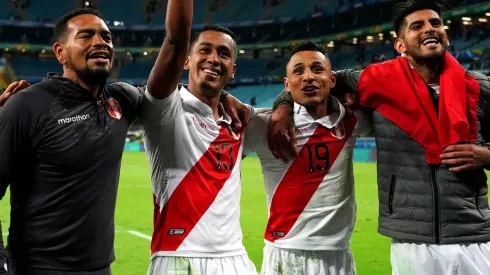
(266, 30)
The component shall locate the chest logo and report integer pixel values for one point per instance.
(233, 134)
(339, 131)
(113, 108)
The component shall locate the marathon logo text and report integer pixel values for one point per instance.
(77, 118)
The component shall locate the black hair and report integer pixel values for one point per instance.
(308, 45)
(61, 27)
(406, 7)
(214, 27)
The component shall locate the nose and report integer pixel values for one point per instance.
(213, 58)
(308, 76)
(98, 41)
(429, 28)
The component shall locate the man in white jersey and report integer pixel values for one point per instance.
(195, 159)
(311, 199)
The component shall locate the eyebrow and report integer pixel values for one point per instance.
(432, 20)
(91, 31)
(314, 63)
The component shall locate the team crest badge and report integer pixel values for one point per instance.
(339, 131)
(233, 134)
(113, 108)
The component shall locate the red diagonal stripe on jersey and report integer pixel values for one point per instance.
(299, 184)
(194, 194)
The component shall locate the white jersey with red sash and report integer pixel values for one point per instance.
(311, 199)
(195, 162)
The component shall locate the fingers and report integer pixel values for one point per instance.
(275, 149)
(456, 155)
(349, 99)
(457, 147)
(11, 87)
(462, 168)
(277, 141)
(292, 142)
(458, 161)
(236, 120)
(245, 116)
(22, 85)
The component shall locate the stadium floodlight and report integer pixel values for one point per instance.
(466, 18)
(484, 20)
(242, 51)
(87, 3)
(145, 53)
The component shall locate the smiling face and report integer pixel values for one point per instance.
(86, 50)
(309, 78)
(422, 36)
(211, 62)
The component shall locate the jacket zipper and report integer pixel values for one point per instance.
(436, 210)
(99, 104)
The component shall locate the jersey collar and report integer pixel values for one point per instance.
(202, 107)
(329, 121)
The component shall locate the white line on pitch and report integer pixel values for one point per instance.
(139, 234)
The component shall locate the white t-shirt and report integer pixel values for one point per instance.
(195, 173)
(311, 200)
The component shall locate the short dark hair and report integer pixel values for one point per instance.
(406, 7)
(60, 29)
(214, 27)
(308, 45)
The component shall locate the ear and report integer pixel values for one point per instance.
(233, 72)
(400, 46)
(286, 83)
(333, 79)
(186, 64)
(59, 51)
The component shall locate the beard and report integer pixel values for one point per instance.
(95, 76)
(91, 76)
(417, 54)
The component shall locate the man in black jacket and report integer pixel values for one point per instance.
(430, 121)
(61, 143)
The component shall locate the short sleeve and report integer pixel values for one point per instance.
(159, 111)
(256, 133)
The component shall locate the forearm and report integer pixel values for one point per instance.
(284, 98)
(169, 64)
(178, 22)
(346, 82)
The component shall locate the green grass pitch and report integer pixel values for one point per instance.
(134, 214)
